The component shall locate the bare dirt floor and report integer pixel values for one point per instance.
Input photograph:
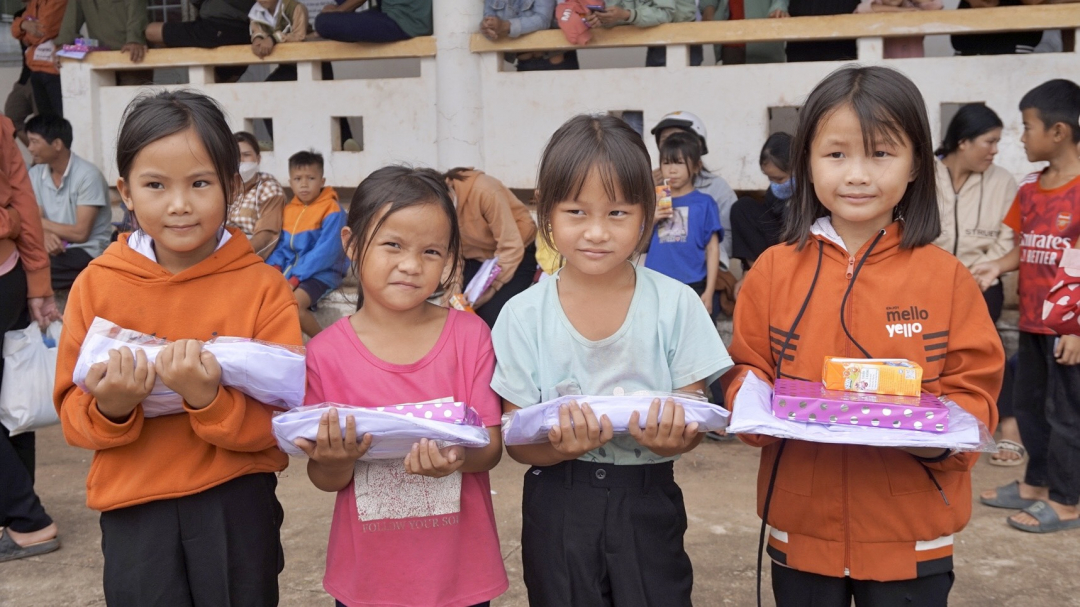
(995, 565)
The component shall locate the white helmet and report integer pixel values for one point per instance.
(685, 121)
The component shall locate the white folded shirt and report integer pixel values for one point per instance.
(269, 373)
(392, 434)
(753, 415)
(530, 425)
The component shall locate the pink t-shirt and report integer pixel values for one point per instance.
(400, 539)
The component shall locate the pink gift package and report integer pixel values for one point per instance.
(441, 410)
(806, 401)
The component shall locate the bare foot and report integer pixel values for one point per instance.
(1065, 513)
(1026, 491)
(33, 537)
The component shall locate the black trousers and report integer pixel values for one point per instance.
(219, 547)
(821, 50)
(521, 280)
(793, 588)
(755, 226)
(1046, 400)
(47, 95)
(596, 535)
(67, 265)
(20, 507)
(656, 56)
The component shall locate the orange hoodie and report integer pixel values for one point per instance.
(231, 293)
(870, 513)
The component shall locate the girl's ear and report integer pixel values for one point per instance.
(346, 244)
(125, 194)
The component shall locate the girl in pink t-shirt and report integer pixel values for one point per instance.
(419, 531)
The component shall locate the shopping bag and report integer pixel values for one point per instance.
(26, 402)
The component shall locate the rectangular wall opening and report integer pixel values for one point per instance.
(347, 133)
(263, 129)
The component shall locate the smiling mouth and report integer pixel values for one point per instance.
(594, 252)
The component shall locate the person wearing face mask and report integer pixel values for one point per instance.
(259, 209)
(974, 195)
(756, 224)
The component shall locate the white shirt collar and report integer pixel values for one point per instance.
(141, 243)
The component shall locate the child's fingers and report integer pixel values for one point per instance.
(436, 457)
(592, 426)
(412, 460)
(365, 444)
(579, 428)
(564, 420)
(164, 358)
(333, 430)
(678, 418)
(555, 435)
(652, 420)
(635, 426)
(349, 440)
(606, 431)
(689, 431)
(210, 363)
(425, 454)
(306, 446)
(322, 436)
(141, 368)
(94, 375)
(666, 420)
(127, 362)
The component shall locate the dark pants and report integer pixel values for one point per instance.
(20, 507)
(67, 265)
(793, 588)
(1047, 405)
(543, 63)
(209, 33)
(601, 534)
(755, 226)
(995, 301)
(47, 95)
(286, 72)
(221, 546)
(521, 280)
(371, 25)
(656, 56)
(821, 50)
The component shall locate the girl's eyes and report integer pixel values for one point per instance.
(575, 211)
(836, 155)
(391, 244)
(201, 183)
(881, 154)
(618, 213)
(433, 252)
(155, 185)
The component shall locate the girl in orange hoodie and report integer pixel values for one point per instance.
(855, 277)
(188, 510)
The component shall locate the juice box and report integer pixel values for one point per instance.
(458, 301)
(896, 376)
(663, 196)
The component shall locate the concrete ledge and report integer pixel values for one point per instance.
(915, 23)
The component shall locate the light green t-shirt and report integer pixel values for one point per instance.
(666, 342)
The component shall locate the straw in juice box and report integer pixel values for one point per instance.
(896, 376)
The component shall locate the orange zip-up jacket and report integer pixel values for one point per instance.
(48, 14)
(231, 293)
(870, 513)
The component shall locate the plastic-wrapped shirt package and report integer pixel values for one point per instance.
(273, 374)
(754, 415)
(530, 425)
(394, 429)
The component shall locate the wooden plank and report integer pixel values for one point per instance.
(324, 50)
(1009, 18)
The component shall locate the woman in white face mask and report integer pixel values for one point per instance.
(258, 210)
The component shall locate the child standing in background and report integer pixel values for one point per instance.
(309, 252)
(685, 242)
(419, 532)
(1045, 217)
(188, 511)
(616, 495)
(847, 521)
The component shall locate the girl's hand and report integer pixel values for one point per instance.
(332, 450)
(612, 15)
(190, 371)
(779, 14)
(43, 310)
(262, 46)
(707, 299)
(120, 384)
(1067, 350)
(665, 434)
(986, 273)
(427, 459)
(664, 213)
(579, 431)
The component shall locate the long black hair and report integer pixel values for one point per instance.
(889, 106)
(395, 188)
(970, 122)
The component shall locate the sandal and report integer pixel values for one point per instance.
(1010, 447)
(1048, 518)
(1008, 496)
(10, 550)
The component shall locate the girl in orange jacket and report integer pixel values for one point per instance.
(188, 507)
(855, 277)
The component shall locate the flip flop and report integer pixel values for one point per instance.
(1013, 447)
(10, 550)
(1008, 496)
(1049, 521)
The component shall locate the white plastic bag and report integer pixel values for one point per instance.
(26, 395)
(270, 373)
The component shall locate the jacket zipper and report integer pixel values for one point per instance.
(850, 267)
(956, 224)
(292, 236)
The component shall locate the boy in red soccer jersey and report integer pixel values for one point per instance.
(1046, 218)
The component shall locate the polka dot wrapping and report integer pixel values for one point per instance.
(810, 402)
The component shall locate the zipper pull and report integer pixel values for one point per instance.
(850, 267)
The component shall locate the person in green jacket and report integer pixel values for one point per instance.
(116, 26)
(647, 13)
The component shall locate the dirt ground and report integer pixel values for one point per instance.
(995, 565)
